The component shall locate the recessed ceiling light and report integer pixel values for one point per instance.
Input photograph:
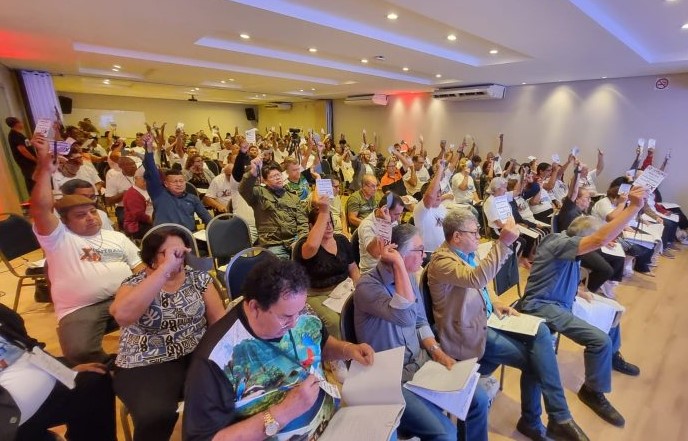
(114, 69)
(451, 37)
(264, 95)
(300, 90)
(523, 84)
(116, 66)
(106, 81)
(222, 81)
(685, 26)
(312, 50)
(494, 51)
(392, 16)
(313, 89)
(231, 79)
(405, 69)
(438, 76)
(196, 89)
(604, 78)
(364, 60)
(245, 36)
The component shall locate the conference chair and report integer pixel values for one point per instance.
(226, 235)
(16, 240)
(346, 321)
(239, 267)
(355, 244)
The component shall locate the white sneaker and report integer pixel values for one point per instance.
(491, 387)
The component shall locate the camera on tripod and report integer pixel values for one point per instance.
(295, 140)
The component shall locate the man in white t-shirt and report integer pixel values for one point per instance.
(588, 178)
(117, 182)
(422, 177)
(86, 264)
(429, 213)
(219, 192)
(370, 242)
(70, 168)
(85, 188)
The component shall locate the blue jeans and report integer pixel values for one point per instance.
(280, 251)
(599, 347)
(423, 419)
(535, 357)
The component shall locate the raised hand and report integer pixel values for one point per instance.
(509, 232)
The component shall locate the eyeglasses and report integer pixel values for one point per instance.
(418, 250)
(475, 233)
(285, 322)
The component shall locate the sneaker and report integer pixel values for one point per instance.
(601, 406)
(621, 365)
(535, 433)
(491, 387)
(568, 431)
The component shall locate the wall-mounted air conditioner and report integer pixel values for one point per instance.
(482, 92)
(278, 106)
(367, 100)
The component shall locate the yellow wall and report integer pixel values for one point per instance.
(306, 115)
(11, 106)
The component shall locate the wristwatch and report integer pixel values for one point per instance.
(271, 424)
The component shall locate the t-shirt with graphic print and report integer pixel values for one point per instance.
(85, 270)
(235, 375)
(171, 327)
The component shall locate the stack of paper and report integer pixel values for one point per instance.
(520, 324)
(602, 312)
(339, 295)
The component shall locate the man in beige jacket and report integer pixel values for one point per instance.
(461, 306)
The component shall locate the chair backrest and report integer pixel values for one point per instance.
(347, 328)
(240, 265)
(190, 188)
(508, 276)
(213, 166)
(355, 244)
(555, 223)
(16, 237)
(194, 245)
(226, 235)
(294, 249)
(426, 297)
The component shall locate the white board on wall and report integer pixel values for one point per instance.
(128, 121)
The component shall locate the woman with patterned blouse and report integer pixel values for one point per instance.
(163, 312)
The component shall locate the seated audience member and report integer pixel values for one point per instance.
(70, 168)
(219, 192)
(389, 209)
(589, 177)
(196, 173)
(339, 221)
(362, 166)
(251, 378)
(388, 313)
(32, 400)
(163, 312)
(602, 266)
(418, 171)
(550, 292)
(86, 264)
(171, 202)
(541, 203)
(397, 166)
(328, 259)
(429, 213)
(463, 186)
(85, 188)
(280, 216)
(297, 181)
(138, 208)
(462, 305)
(362, 202)
(560, 189)
(117, 182)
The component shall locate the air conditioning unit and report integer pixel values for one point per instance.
(278, 106)
(481, 92)
(367, 100)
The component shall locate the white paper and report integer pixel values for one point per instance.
(527, 231)
(555, 158)
(377, 384)
(616, 250)
(457, 403)
(370, 423)
(603, 313)
(383, 229)
(43, 127)
(324, 187)
(624, 188)
(435, 376)
(180, 126)
(650, 178)
(339, 295)
(575, 151)
(520, 324)
(669, 205)
(503, 207)
(251, 136)
(672, 217)
(53, 367)
(325, 385)
(651, 143)
(641, 142)
(200, 235)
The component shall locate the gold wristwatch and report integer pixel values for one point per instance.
(271, 424)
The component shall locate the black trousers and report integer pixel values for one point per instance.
(88, 410)
(602, 267)
(151, 393)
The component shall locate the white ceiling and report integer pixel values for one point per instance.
(167, 49)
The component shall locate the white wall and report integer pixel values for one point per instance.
(194, 115)
(544, 119)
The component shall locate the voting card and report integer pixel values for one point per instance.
(324, 187)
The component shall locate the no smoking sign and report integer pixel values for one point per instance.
(662, 83)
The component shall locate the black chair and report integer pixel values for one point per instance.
(16, 240)
(190, 188)
(347, 328)
(555, 223)
(240, 265)
(355, 244)
(213, 166)
(296, 246)
(427, 298)
(508, 275)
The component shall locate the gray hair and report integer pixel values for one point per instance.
(402, 236)
(583, 226)
(455, 220)
(496, 183)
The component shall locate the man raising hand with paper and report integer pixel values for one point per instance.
(551, 291)
(389, 313)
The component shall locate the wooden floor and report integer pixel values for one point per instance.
(655, 338)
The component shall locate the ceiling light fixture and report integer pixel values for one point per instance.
(523, 84)
(264, 95)
(116, 66)
(114, 69)
(300, 90)
(438, 76)
(313, 89)
(604, 78)
(405, 69)
(106, 81)
(196, 89)
(222, 81)
(494, 52)
(245, 36)
(312, 50)
(451, 37)
(685, 26)
(392, 16)
(231, 79)
(364, 60)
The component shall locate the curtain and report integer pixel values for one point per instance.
(41, 95)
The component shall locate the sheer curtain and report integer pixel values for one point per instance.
(41, 95)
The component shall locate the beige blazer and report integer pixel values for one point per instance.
(458, 306)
